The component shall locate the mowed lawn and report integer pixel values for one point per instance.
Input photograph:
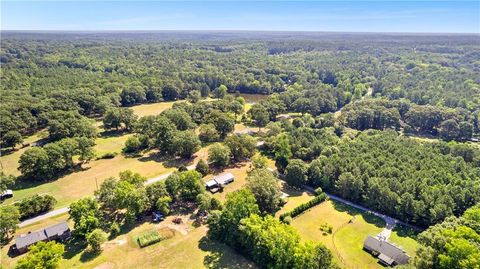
(189, 248)
(350, 228)
(9, 161)
(83, 183)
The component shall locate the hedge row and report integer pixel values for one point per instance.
(301, 208)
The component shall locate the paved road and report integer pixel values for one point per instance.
(63, 210)
(47, 215)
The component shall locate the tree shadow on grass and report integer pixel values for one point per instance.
(291, 191)
(166, 160)
(403, 231)
(368, 217)
(219, 255)
(73, 247)
(24, 182)
(89, 255)
(113, 133)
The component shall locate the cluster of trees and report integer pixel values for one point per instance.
(303, 143)
(35, 205)
(379, 113)
(172, 132)
(265, 240)
(124, 200)
(49, 161)
(235, 148)
(454, 243)
(118, 117)
(413, 181)
(42, 255)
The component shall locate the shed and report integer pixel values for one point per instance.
(388, 253)
(211, 184)
(224, 179)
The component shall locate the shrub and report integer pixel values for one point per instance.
(132, 145)
(114, 228)
(202, 167)
(35, 205)
(108, 155)
(318, 191)
(96, 238)
(301, 208)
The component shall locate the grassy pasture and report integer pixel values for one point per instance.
(151, 109)
(346, 241)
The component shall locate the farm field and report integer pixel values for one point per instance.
(346, 241)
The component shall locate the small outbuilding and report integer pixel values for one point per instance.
(58, 232)
(216, 182)
(387, 253)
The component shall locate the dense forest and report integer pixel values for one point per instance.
(88, 73)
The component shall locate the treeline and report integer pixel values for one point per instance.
(419, 182)
(454, 243)
(53, 159)
(447, 123)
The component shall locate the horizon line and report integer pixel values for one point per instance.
(233, 30)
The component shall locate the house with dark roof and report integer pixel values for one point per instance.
(57, 232)
(387, 253)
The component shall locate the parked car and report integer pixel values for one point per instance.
(6, 194)
(157, 216)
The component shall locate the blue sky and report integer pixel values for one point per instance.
(349, 16)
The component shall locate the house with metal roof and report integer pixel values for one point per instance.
(387, 253)
(57, 232)
(216, 182)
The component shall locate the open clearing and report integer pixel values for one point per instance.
(151, 109)
(83, 183)
(346, 241)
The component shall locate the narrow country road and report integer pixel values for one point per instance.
(63, 210)
(390, 222)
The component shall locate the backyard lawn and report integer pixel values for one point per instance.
(188, 248)
(346, 241)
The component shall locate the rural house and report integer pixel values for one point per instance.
(388, 253)
(57, 232)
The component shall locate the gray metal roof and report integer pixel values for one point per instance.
(223, 178)
(387, 250)
(26, 240)
(57, 229)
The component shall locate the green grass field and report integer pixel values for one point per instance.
(346, 241)
(152, 109)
